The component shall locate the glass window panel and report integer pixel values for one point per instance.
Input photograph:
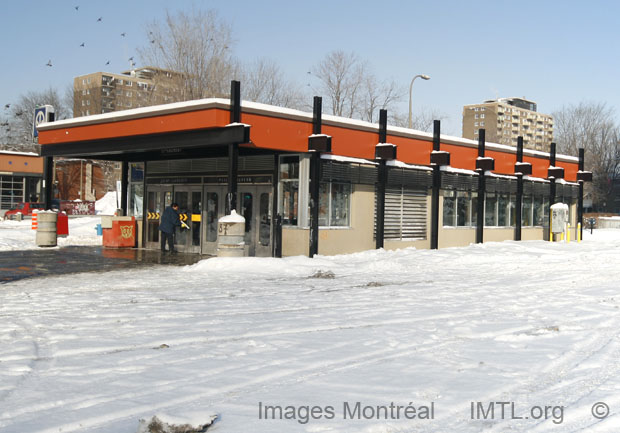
(212, 216)
(264, 231)
(246, 211)
(339, 203)
(538, 211)
(324, 204)
(503, 210)
(463, 209)
(490, 211)
(196, 210)
(526, 213)
(290, 194)
(449, 208)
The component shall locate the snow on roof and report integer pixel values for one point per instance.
(400, 164)
(346, 159)
(457, 170)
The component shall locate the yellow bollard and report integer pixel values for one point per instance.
(550, 226)
(568, 232)
(578, 232)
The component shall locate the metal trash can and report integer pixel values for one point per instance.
(230, 234)
(46, 229)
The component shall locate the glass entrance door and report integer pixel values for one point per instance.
(213, 210)
(254, 204)
(189, 199)
(158, 198)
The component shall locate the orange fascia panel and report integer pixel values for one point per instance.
(411, 150)
(175, 122)
(276, 133)
(539, 166)
(461, 156)
(570, 170)
(504, 161)
(352, 142)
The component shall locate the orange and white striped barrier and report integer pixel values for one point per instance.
(34, 219)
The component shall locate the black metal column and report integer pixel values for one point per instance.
(481, 189)
(233, 149)
(551, 182)
(382, 178)
(315, 180)
(144, 205)
(580, 198)
(519, 203)
(48, 179)
(124, 185)
(436, 189)
(276, 218)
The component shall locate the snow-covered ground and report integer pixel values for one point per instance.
(18, 235)
(457, 331)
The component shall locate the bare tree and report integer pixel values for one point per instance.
(263, 81)
(351, 89)
(342, 77)
(378, 96)
(592, 126)
(197, 47)
(421, 121)
(17, 125)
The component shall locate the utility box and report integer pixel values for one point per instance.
(230, 235)
(559, 217)
(118, 232)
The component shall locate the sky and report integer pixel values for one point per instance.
(556, 53)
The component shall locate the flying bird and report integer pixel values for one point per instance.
(107, 63)
(152, 41)
(7, 105)
(49, 63)
(123, 34)
(76, 7)
(130, 59)
(19, 113)
(99, 19)
(82, 44)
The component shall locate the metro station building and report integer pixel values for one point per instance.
(308, 183)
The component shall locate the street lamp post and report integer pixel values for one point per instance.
(424, 77)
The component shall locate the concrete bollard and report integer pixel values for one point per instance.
(46, 229)
(230, 234)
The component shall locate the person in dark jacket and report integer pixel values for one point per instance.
(167, 225)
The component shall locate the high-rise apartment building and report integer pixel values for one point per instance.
(505, 119)
(104, 92)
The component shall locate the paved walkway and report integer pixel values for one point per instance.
(16, 265)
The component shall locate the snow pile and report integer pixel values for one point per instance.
(171, 424)
(234, 217)
(107, 204)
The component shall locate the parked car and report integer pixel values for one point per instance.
(25, 208)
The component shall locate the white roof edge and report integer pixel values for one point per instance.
(12, 152)
(289, 113)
